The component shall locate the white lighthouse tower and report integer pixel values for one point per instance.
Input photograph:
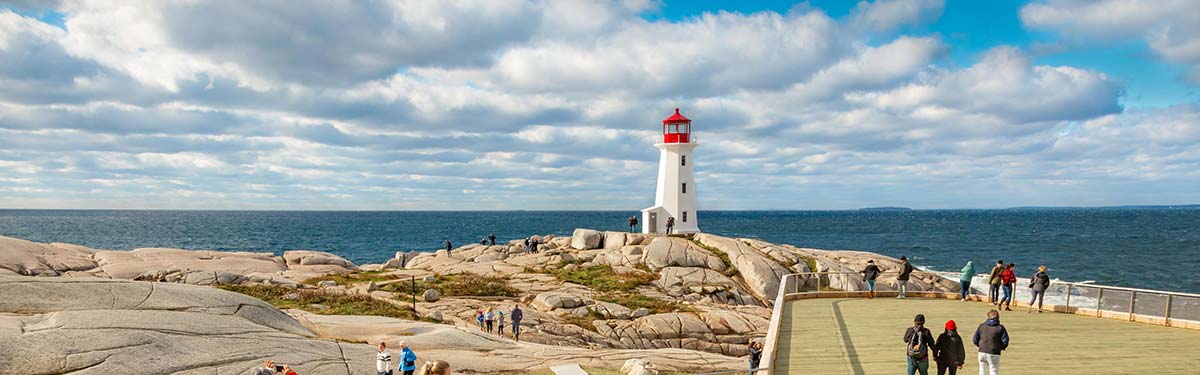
(676, 193)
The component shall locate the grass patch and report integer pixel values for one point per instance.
(811, 262)
(602, 278)
(466, 284)
(303, 299)
(634, 301)
(584, 322)
(355, 277)
(730, 270)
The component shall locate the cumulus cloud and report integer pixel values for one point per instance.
(501, 105)
(1169, 27)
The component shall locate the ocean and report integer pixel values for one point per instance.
(1154, 248)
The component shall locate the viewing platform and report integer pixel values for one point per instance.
(846, 333)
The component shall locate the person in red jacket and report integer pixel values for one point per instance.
(1008, 279)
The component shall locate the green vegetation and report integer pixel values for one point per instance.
(812, 263)
(634, 300)
(356, 277)
(602, 278)
(465, 284)
(337, 303)
(584, 322)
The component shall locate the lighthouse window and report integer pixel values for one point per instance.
(683, 160)
(684, 190)
(685, 216)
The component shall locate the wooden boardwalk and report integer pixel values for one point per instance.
(861, 336)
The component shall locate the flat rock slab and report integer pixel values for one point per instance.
(571, 369)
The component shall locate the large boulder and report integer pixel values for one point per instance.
(102, 326)
(678, 281)
(553, 300)
(614, 240)
(31, 258)
(139, 262)
(761, 273)
(586, 239)
(670, 251)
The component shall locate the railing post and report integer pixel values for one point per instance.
(1099, 298)
(818, 276)
(1132, 300)
(1167, 315)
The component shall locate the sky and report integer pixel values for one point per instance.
(509, 104)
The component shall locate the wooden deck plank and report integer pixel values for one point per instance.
(860, 336)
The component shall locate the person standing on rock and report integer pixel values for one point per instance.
(1037, 286)
(994, 283)
(500, 322)
(968, 272)
(1008, 279)
(755, 350)
(869, 275)
(517, 315)
(633, 224)
(906, 268)
(533, 244)
(383, 360)
(479, 317)
(491, 239)
(948, 350)
(490, 320)
(449, 247)
(991, 337)
(408, 359)
(670, 224)
(918, 340)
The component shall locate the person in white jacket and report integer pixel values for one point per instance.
(383, 360)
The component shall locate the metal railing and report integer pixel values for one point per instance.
(1141, 305)
(746, 371)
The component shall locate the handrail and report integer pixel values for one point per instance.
(1086, 285)
(733, 371)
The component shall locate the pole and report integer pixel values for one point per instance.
(414, 293)
(1099, 297)
(1132, 300)
(1069, 297)
(1167, 315)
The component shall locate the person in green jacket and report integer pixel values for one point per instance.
(994, 283)
(968, 272)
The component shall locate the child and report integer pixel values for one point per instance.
(500, 322)
(479, 317)
(948, 350)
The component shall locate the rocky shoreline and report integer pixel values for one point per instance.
(687, 303)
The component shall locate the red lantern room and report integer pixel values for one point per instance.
(677, 129)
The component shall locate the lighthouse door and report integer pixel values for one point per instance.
(653, 222)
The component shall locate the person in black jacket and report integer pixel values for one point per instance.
(948, 350)
(906, 268)
(870, 273)
(991, 337)
(918, 340)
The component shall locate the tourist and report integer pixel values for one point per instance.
(670, 224)
(755, 350)
(527, 245)
(1008, 279)
(517, 315)
(994, 283)
(489, 320)
(500, 322)
(906, 268)
(918, 339)
(438, 367)
(948, 351)
(991, 338)
(533, 244)
(408, 359)
(633, 224)
(383, 360)
(270, 368)
(869, 275)
(479, 317)
(449, 247)
(491, 239)
(1037, 286)
(968, 272)
(483, 241)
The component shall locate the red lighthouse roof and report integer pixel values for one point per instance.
(677, 119)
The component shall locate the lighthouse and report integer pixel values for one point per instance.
(675, 196)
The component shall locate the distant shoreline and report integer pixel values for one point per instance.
(863, 209)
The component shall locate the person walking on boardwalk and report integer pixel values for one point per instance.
(906, 268)
(1038, 285)
(670, 224)
(383, 360)
(516, 317)
(755, 350)
(500, 322)
(633, 224)
(489, 320)
(1008, 279)
(992, 338)
(994, 283)
(491, 239)
(948, 350)
(408, 359)
(869, 275)
(918, 340)
(968, 272)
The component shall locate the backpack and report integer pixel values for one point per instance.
(918, 348)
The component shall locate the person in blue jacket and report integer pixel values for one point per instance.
(408, 359)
